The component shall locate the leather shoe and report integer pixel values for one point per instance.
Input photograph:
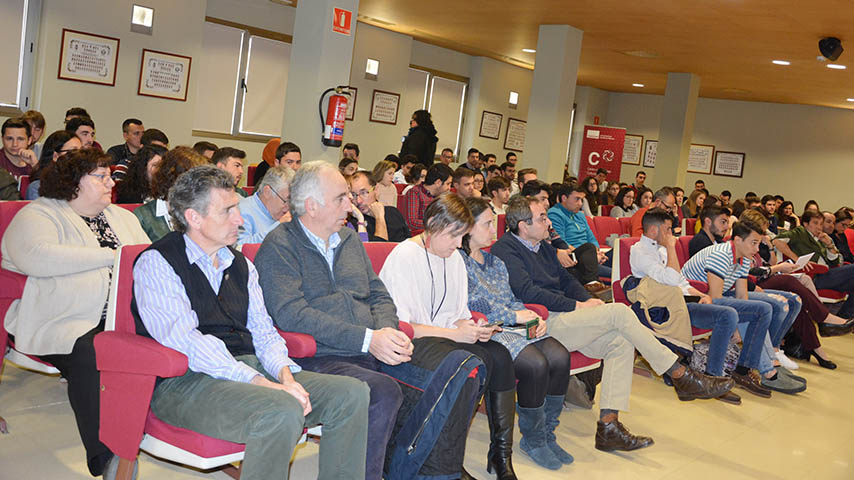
(595, 287)
(692, 385)
(752, 384)
(832, 330)
(731, 398)
(614, 436)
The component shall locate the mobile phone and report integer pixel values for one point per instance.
(692, 298)
(572, 256)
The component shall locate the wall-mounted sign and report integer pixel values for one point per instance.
(86, 57)
(164, 75)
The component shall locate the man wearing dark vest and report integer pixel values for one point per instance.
(195, 294)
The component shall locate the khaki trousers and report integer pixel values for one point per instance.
(611, 332)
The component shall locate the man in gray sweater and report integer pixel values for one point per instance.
(317, 279)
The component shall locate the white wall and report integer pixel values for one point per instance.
(801, 152)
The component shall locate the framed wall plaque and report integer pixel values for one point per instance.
(514, 139)
(164, 75)
(351, 104)
(649, 153)
(384, 107)
(700, 158)
(87, 57)
(729, 164)
(632, 149)
(490, 125)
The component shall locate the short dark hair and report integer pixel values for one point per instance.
(534, 187)
(285, 148)
(750, 194)
(462, 172)
(351, 146)
(392, 158)
(130, 121)
(193, 190)
(743, 228)
(61, 180)
(654, 217)
(842, 214)
(473, 150)
(662, 194)
(446, 211)
(767, 198)
(488, 156)
(78, 122)
(525, 171)
(640, 172)
(492, 168)
(711, 212)
(601, 170)
(408, 158)
(509, 154)
(699, 180)
(346, 161)
(780, 198)
(222, 155)
(518, 209)
(438, 171)
(151, 135)
(76, 112)
(809, 215)
(203, 146)
(504, 166)
(496, 183)
(16, 123)
(564, 189)
(446, 149)
(415, 173)
(726, 193)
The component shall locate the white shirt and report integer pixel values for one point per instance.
(649, 259)
(407, 276)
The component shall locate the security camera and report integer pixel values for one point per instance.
(830, 48)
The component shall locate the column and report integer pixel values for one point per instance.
(552, 95)
(675, 130)
(320, 59)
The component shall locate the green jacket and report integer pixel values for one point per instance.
(155, 227)
(8, 186)
(802, 242)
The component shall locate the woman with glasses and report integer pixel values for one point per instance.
(56, 145)
(65, 243)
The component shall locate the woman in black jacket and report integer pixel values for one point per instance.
(421, 139)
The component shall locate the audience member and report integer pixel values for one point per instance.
(136, 186)
(56, 145)
(268, 159)
(447, 156)
(348, 166)
(153, 136)
(406, 164)
(421, 139)
(84, 128)
(508, 171)
(522, 177)
(590, 201)
(154, 214)
(643, 197)
(624, 204)
(463, 182)
(700, 185)
(231, 160)
(602, 179)
(570, 224)
(383, 174)
(769, 207)
(352, 318)
(510, 157)
(694, 204)
(132, 133)
(786, 218)
(350, 150)
(580, 323)
(811, 239)
(65, 243)
(609, 196)
(715, 223)
(491, 172)
(473, 160)
(842, 220)
(206, 149)
(75, 112)
(640, 178)
(409, 272)
(540, 363)
(499, 194)
(219, 394)
(267, 207)
(752, 201)
(479, 185)
(383, 223)
(37, 126)
(287, 154)
(16, 158)
(416, 176)
(725, 197)
(679, 194)
(437, 182)
(663, 198)
(811, 205)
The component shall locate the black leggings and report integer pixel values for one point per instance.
(542, 369)
(499, 364)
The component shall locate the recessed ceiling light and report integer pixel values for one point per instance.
(529, 50)
(641, 54)
(780, 62)
(836, 66)
(849, 99)
(639, 85)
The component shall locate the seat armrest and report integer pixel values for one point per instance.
(300, 345)
(121, 352)
(12, 284)
(407, 329)
(701, 286)
(540, 310)
(816, 270)
(477, 316)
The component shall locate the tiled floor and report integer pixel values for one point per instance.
(810, 435)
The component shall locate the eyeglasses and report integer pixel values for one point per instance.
(103, 177)
(361, 194)
(277, 194)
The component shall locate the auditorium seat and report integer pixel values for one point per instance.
(129, 206)
(690, 225)
(605, 227)
(625, 225)
(682, 250)
(250, 175)
(605, 210)
(249, 190)
(23, 184)
(500, 225)
(400, 187)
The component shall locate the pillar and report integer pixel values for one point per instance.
(675, 130)
(320, 59)
(552, 96)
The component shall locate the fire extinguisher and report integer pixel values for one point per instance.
(333, 125)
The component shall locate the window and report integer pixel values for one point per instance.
(18, 28)
(245, 78)
(444, 98)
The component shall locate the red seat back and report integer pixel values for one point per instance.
(605, 210)
(250, 175)
(682, 251)
(249, 190)
(849, 235)
(129, 206)
(592, 226)
(625, 225)
(8, 210)
(401, 203)
(378, 252)
(123, 286)
(606, 226)
(501, 224)
(621, 267)
(23, 184)
(249, 250)
(690, 225)
(400, 187)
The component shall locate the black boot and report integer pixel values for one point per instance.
(501, 412)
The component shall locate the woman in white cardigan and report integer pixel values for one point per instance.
(65, 243)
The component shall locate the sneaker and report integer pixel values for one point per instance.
(785, 361)
(785, 371)
(783, 384)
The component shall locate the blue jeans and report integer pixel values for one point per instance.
(722, 320)
(757, 317)
(842, 279)
(784, 312)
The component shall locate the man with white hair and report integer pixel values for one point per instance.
(267, 208)
(317, 279)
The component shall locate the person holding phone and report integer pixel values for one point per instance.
(540, 362)
(426, 278)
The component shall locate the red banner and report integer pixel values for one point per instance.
(602, 147)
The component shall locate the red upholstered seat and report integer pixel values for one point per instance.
(378, 252)
(690, 225)
(195, 443)
(400, 187)
(625, 225)
(605, 210)
(23, 184)
(592, 226)
(129, 206)
(682, 251)
(248, 190)
(501, 225)
(605, 227)
(250, 175)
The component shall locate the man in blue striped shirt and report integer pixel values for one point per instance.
(194, 294)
